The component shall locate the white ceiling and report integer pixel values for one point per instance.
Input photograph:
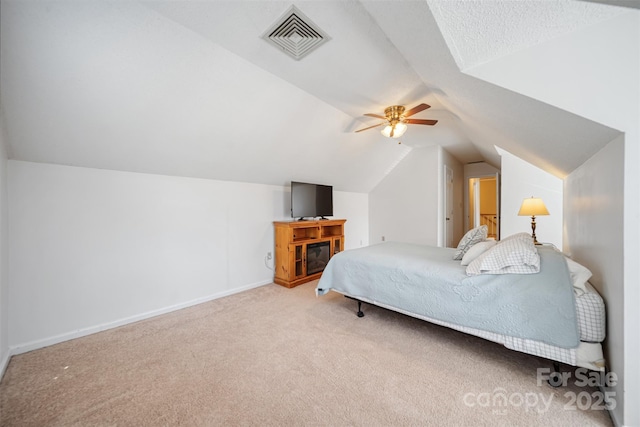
(478, 32)
(189, 88)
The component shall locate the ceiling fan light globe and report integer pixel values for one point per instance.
(400, 129)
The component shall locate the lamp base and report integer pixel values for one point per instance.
(533, 230)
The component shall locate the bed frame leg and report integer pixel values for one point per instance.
(360, 313)
(555, 378)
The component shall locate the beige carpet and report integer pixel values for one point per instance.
(277, 356)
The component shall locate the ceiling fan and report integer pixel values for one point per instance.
(396, 120)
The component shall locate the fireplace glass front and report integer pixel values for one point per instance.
(317, 257)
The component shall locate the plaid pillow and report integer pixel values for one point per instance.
(472, 237)
(512, 256)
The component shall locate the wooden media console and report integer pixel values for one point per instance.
(303, 249)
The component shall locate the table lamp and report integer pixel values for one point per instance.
(532, 207)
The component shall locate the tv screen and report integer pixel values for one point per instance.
(311, 200)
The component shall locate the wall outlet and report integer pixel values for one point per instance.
(383, 238)
(269, 256)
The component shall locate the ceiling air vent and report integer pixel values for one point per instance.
(295, 34)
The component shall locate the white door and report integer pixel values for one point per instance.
(448, 207)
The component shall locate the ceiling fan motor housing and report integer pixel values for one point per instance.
(394, 113)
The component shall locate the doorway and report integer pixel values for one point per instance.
(484, 204)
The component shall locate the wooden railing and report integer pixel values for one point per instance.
(491, 221)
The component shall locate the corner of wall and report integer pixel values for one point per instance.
(5, 354)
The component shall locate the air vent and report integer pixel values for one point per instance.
(295, 34)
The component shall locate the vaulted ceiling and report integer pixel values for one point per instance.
(190, 88)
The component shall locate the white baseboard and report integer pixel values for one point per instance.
(37, 344)
(4, 362)
(613, 415)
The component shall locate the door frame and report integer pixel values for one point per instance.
(466, 200)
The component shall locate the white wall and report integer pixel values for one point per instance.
(479, 169)
(594, 209)
(404, 205)
(92, 249)
(631, 290)
(521, 180)
(4, 283)
(354, 207)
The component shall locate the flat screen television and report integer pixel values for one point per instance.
(311, 200)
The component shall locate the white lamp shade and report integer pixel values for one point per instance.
(533, 206)
(400, 129)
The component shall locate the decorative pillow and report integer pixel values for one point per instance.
(518, 236)
(472, 237)
(476, 250)
(579, 275)
(511, 256)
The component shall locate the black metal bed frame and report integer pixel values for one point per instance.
(555, 377)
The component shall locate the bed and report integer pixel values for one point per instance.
(551, 311)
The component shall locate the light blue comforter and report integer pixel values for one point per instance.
(425, 280)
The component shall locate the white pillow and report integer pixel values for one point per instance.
(579, 274)
(476, 250)
(472, 237)
(511, 256)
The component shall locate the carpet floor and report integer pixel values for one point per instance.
(273, 356)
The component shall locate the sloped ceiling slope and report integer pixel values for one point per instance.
(189, 88)
(602, 83)
(115, 85)
(553, 139)
(479, 32)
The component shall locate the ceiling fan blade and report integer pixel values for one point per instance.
(377, 116)
(370, 127)
(416, 109)
(420, 122)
